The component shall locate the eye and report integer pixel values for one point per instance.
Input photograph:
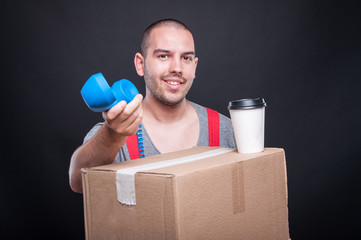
(163, 56)
(187, 58)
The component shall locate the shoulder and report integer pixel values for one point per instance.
(93, 131)
(201, 110)
(225, 125)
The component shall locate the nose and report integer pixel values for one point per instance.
(175, 66)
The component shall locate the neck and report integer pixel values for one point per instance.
(157, 111)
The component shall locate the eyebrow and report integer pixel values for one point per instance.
(189, 53)
(159, 50)
(156, 51)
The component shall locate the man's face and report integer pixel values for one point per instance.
(170, 64)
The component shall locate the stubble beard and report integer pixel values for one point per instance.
(169, 98)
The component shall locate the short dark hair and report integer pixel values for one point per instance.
(164, 22)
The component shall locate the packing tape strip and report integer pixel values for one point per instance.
(125, 177)
(238, 197)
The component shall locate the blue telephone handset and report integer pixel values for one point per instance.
(100, 97)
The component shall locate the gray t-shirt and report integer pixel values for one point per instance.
(226, 136)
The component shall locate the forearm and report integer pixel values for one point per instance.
(121, 121)
(99, 150)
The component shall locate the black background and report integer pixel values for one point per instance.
(303, 57)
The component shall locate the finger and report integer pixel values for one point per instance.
(133, 127)
(127, 127)
(134, 104)
(131, 108)
(115, 111)
(125, 123)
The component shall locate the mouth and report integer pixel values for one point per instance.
(173, 82)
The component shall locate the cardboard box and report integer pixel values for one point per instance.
(218, 196)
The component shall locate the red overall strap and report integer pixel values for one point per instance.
(213, 127)
(213, 135)
(132, 145)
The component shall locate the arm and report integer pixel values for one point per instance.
(121, 121)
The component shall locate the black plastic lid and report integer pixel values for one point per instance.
(247, 103)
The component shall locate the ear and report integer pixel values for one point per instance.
(139, 64)
(195, 67)
(196, 61)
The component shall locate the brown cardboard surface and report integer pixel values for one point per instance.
(230, 196)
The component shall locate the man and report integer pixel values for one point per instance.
(169, 122)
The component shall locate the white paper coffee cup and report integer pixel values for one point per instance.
(248, 117)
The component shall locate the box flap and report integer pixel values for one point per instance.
(210, 162)
(125, 176)
(152, 159)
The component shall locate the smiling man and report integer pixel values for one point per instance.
(168, 62)
(170, 57)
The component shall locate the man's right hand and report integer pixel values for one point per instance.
(123, 118)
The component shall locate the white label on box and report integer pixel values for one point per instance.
(125, 177)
